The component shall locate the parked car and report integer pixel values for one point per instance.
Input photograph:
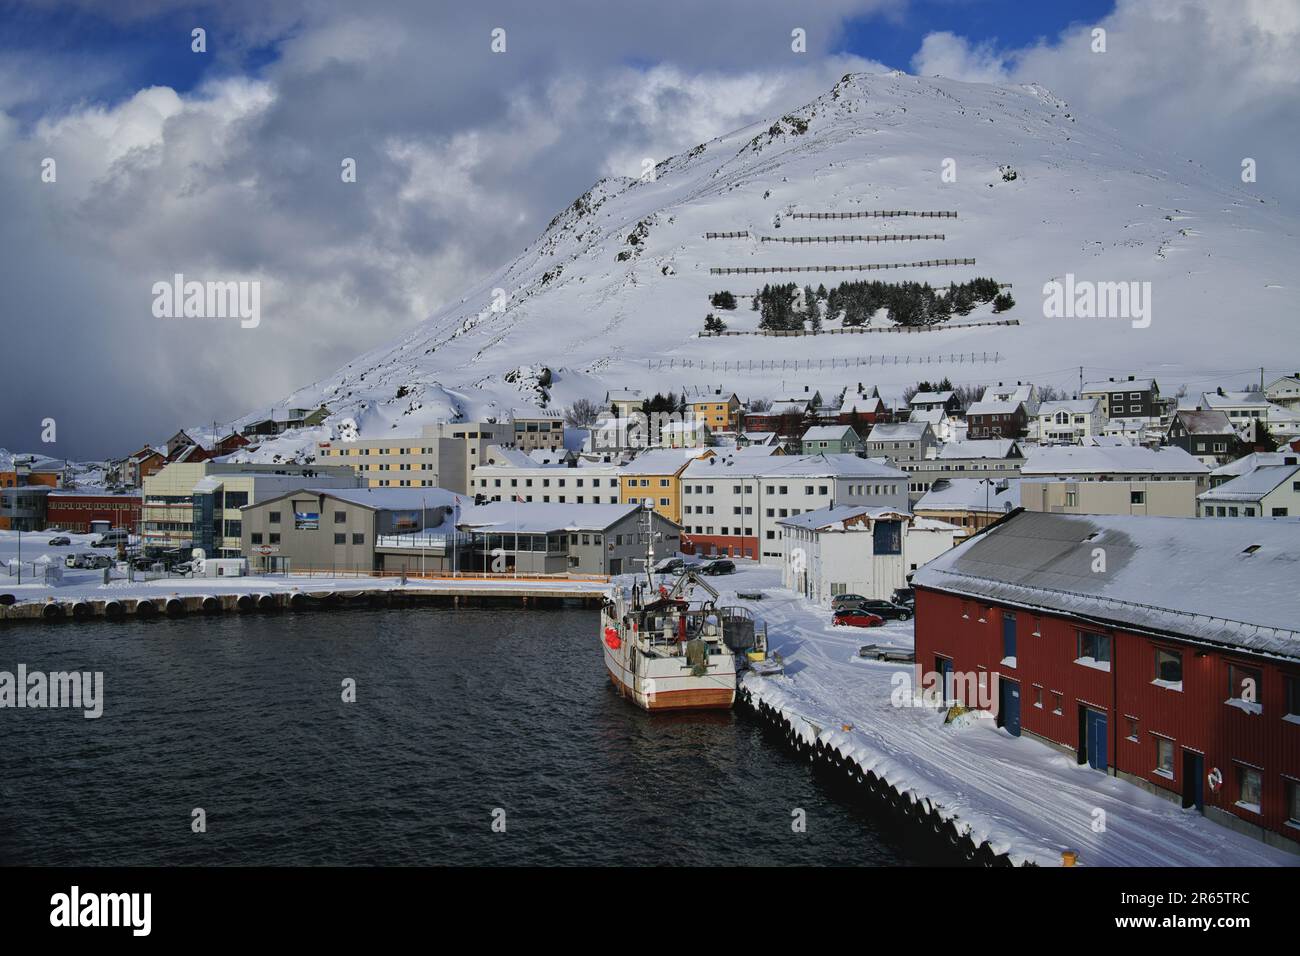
(887, 609)
(60, 542)
(721, 566)
(184, 569)
(75, 560)
(906, 597)
(670, 566)
(110, 539)
(846, 600)
(856, 617)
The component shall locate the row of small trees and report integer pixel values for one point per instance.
(789, 307)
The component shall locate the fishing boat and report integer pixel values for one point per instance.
(666, 651)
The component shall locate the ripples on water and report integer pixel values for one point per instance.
(458, 712)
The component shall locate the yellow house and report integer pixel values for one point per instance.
(657, 474)
(719, 413)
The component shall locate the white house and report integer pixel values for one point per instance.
(1284, 391)
(1067, 422)
(732, 503)
(1266, 491)
(851, 549)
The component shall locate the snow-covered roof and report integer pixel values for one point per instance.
(1253, 485)
(862, 406)
(993, 408)
(533, 412)
(1008, 393)
(1126, 460)
(978, 448)
(929, 398)
(1122, 385)
(1077, 406)
(928, 416)
(1250, 463)
(830, 433)
(389, 499)
(1221, 582)
(833, 518)
(534, 517)
(898, 431)
(661, 461)
(624, 395)
(775, 466)
(1255, 400)
(1205, 422)
(990, 495)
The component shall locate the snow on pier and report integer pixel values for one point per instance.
(1026, 799)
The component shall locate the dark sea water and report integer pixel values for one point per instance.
(458, 713)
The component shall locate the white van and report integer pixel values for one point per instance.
(111, 539)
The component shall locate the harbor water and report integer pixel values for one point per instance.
(477, 736)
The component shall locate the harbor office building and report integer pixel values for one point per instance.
(1162, 650)
(199, 504)
(552, 538)
(350, 529)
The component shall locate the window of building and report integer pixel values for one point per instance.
(273, 517)
(1164, 757)
(340, 538)
(1292, 802)
(1132, 724)
(1243, 684)
(1169, 667)
(1249, 786)
(358, 538)
(340, 517)
(1056, 703)
(274, 538)
(1094, 649)
(255, 537)
(1137, 497)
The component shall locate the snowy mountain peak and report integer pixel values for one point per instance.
(615, 290)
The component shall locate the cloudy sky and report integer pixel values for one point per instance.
(225, 164)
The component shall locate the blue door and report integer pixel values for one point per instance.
(944, 667)
(1008, 635)
(1009, 706)
(1096, 724)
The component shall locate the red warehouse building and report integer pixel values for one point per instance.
(75, 510)
(1162, 650)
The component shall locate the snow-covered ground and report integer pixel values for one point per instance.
(1026, 798)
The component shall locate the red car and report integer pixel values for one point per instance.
(856, 617)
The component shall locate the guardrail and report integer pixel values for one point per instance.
(875, 214)
(726, 235)
(899, 237)
(743, 365)
(867, 267)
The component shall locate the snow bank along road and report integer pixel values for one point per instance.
(1025, 798)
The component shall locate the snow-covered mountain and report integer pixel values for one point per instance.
(615, 290)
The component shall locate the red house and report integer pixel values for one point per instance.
(1162, 650)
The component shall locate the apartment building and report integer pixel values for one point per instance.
(901, 442)
(972, 458)
(721, 413)
(656, 474)
(509, 474)
(537, 428)
(732, 502)
(444, 455)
